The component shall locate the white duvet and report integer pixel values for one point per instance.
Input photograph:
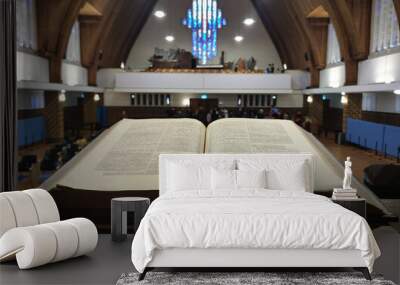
(250, 219)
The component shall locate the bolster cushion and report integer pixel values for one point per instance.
(40, 244)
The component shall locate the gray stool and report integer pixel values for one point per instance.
(119, 209)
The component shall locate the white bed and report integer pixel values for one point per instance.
(248, 227)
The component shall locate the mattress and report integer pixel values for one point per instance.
(125, 157)
(250, 219)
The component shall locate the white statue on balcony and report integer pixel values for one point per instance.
(347, 174)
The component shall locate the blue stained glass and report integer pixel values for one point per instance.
(204, 19)
(189, 19)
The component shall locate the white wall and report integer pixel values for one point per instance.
(32, 67)
(256, 43)
(381, 102)
(116, 99)
(73, 74)
(26, 24)
(379, 69)
(333, 48)
(106, 77)
(332, 76)
(73, 52)
(300, 79)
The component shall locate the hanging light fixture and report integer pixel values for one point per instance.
(96, 97)
(344, 100)
(204, 19)
(122, 65)
(310, 99)
(61, 96)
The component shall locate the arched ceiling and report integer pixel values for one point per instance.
(298, 28)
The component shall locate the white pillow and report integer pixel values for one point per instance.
(251, 178)
(223, 179)
(294, 179)
(185, 178)
(290, 175)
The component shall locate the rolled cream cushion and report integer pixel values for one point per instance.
(31, 232)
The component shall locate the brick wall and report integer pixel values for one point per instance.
(54, 115)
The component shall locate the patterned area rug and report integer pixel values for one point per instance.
(243, 278)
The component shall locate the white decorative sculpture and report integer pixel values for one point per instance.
(347, 174)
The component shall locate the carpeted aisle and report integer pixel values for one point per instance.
(243, 278)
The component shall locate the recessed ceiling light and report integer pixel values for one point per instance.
(249, 21)
(169, 38)
(238, 38)
(397, 91)
(159, 14)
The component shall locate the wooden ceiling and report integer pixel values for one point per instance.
(298, 29)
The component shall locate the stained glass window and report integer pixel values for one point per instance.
(204, 19)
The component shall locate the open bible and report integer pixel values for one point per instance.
(123, 160)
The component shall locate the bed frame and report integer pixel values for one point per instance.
(249, 259)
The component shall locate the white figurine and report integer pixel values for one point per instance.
(347, 174)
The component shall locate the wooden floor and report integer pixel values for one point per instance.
(361, 158)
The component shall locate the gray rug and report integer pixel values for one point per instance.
(269, 278)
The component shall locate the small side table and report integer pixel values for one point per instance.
(358, 206)
(119, 208)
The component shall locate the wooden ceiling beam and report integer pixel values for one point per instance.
(134, 31)
(397, 8)
(282, 26)
(276, 38)
(55, 21)
(316, 37)
(94, 34)
(65, 30)
(352, 21)
(340, 29)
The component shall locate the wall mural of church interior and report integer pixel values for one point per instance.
(132, 129)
